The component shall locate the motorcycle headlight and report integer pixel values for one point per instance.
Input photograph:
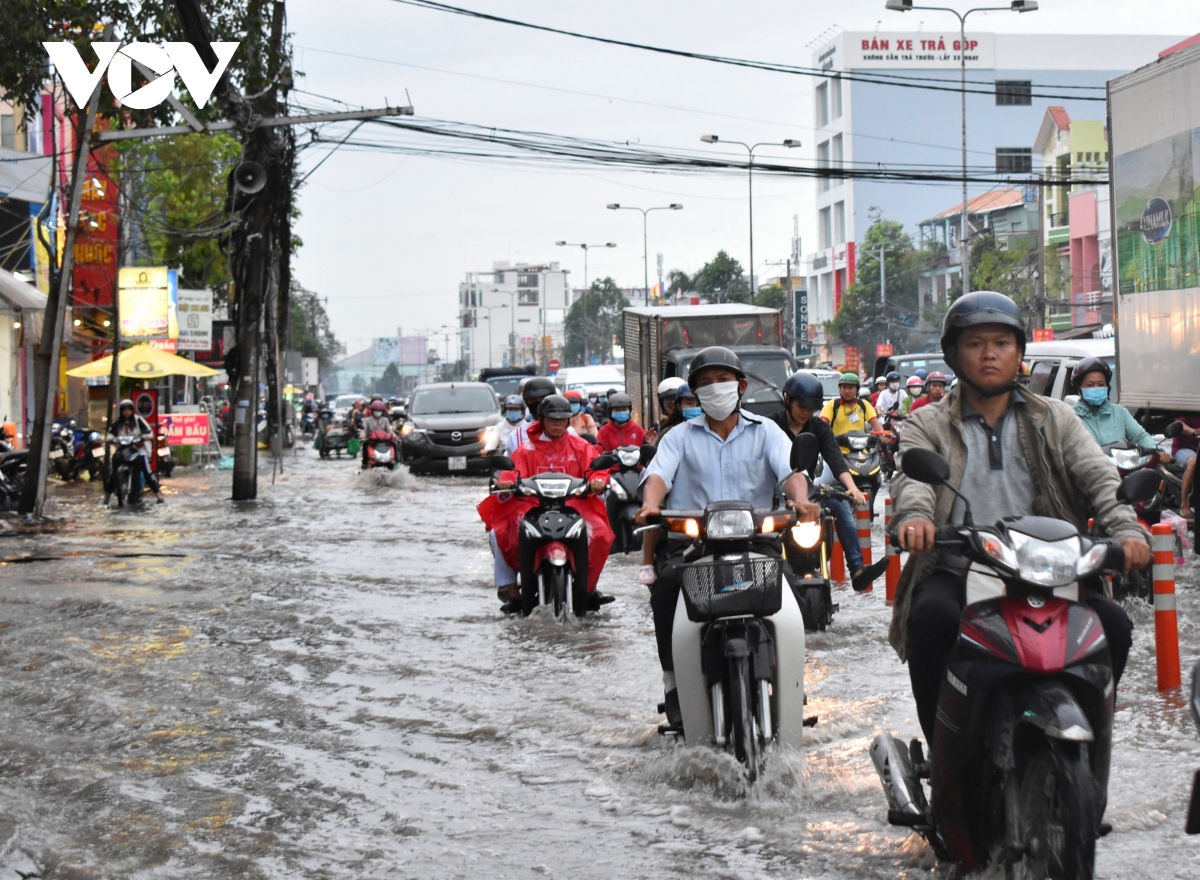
(858, 443)
(553, 488)
(1092, 561)
(1126, 459)
(807, 534)
(729, 524)
(618, 490)
(629, 457)
(1047, 563)
(488, 438)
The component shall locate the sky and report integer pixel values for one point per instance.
(387, 238)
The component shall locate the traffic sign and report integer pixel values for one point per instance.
(553, 366)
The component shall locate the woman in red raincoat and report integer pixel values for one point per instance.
(550, 449)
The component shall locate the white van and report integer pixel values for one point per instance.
(1050, 363)
(598, 378)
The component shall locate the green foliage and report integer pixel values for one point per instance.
(773, 297)
(389, 382)
(358, 384)
(1008, 271)
(308, 327)
(721, 280)
(598, 312)
(677, 281)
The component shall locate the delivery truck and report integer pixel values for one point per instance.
(661, 341)
(1154, 139)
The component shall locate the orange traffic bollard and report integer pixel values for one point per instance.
(892, 576)
(863, 515)
(1166, 622)
(837, 560)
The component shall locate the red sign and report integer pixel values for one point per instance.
(884, 350)
(852, 358)
(1043, 334)
(185, 429)
(95, 274)
(170, 346)
(553, 365)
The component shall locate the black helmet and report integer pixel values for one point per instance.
(979, 307)
(893, 376)
(715, 356)
(555, 406)
(618, 400)
(805, 389)
(1090, 365)
(536, 388)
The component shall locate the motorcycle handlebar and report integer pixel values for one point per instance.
(944, 536)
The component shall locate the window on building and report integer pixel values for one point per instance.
(839, 223)
(8, 131)
(527, 280)
(823, 104)
(1014, 160)
(835, 156)
(825, 230)
(835, 98)
(527, 297)
(474, 297)
(499, 277)
(823, 162)
(1014, 93)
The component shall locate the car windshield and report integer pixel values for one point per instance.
(595, 387)
(765, 374)
(932, 364)
(506, 385)
(345, 402)
(446, 401)
(829, 384)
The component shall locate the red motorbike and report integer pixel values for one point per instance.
(381, 450)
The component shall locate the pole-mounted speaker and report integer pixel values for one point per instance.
(249, 177)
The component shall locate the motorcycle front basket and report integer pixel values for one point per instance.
(748, 583)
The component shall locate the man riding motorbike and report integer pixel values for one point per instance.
(667, 393)
(1011, 453)
(848, 412)
(375, 420)
(582, 422)
(533, 392)
(1106, 421)
(729, 454)
(129, 422)
(514, 414)
(620, 430)
(935, 390)
(548, 447)
(891, 397)
(803, 396)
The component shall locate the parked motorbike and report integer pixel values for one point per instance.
(1193, 817)
(12, 477)
(381, 450)
(807, 547)
(127, 478)
(62, 449)
(166, 459)
(738, 635)
(1128, 459)
(553, 543)
(623, 498)
(332, 435)
(1020, 761)
(865, 461)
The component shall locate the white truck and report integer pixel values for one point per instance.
(1154, 139)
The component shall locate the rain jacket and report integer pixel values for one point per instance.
(1073, 478)
(613, 436)
(1110, 422)
(537, 455)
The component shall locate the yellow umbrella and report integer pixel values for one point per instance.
(143, 362)
(292, 389)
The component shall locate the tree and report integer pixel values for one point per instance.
(678, 282)
(1009, 271)
(358, 384)
(390, 382)
(722, 280)
(598, 312)
(773, 297)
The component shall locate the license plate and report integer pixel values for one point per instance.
(457, 463)
(98, 452)
(57, 453)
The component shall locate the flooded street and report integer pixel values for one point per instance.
(320, 684)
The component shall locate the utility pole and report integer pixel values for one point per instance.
(586, 292)
(33, 493)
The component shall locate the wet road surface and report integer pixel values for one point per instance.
(319, 684)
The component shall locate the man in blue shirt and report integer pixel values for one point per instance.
(726, 454)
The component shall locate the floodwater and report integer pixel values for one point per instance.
(319, 685)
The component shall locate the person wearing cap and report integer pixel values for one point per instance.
(514, 414)
(582, 422)
(880, 384)
(621, 429)
(848, 412)
(915, 388)
(728, 454)
(1011, 453)
(935, 390)
(668, 391)
(129, 422)
(1106, 421)
(548, 448)
(891, 397)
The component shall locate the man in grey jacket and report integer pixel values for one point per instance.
(1011, 453)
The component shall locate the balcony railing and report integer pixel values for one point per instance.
(1061, 219)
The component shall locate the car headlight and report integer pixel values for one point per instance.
(629, 457)
(618, 490)
(1048, 563)
(725, 524)
(807, 534)
(553, 488)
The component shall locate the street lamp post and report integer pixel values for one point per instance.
(750, 148)
(586, 248)
(964, 243)
(489, 317)
(645, 250)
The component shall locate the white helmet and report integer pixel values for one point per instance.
(668, 387)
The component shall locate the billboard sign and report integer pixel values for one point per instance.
(195, 320)
(924, 50)
(800, 310)
(387, 350)
(95, 272)
(145, 301)
(185, 429)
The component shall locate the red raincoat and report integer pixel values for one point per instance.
(613, 436)
(538, 455)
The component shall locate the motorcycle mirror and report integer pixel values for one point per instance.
(503, 463)
(925, 466)
(1139, 487)
(600, 462)
(649, 450)
(805, 450)
(1173, 430)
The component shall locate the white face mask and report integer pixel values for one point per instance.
(893, 386)
(718, 400)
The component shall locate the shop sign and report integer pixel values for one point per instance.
(145, 301)
(185, 429)
(923, 50)
(195, 320)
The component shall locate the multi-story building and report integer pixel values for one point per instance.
(512, 314)
(869, 118)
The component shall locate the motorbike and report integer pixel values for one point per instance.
(166, 460)
(806, 546)
(308, 424)
(1020, 763)
(1193, 816)
(1172, 473)
(553, 540)
(62, 449)
(889, 442)
(865, 461)
(623, 498)
(1128, 459)
(332, 435)
(127, 478)
(12, 477)
(738, 634)
(381, 450)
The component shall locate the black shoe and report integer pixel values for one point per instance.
(511, 606)
(1104, 830)
(867, 576)
(596, 599)
(670, 707)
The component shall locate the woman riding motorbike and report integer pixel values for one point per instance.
(375, 420)
(1106, 421)
(582, 422)
(129, 422)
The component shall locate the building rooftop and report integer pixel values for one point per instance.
(997, 200)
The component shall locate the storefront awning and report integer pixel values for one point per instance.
(24, 176)
(18, 294)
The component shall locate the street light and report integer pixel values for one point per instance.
(790, 143)
(586, 248)
(645, 250)
(964, 243)
(489, 317)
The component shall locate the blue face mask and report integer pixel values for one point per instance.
(690, 412)
(620, 417)
(575, 409)
(1094, 396)
(513, 415)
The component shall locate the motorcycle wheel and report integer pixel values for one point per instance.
(136, 488)
(816, 616)
(741, 705)
(579, 593)
(531, 592)
(1056, 803)
(556, 584)
(123, 480)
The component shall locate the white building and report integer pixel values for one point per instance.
(512, 314)
(1011, 79)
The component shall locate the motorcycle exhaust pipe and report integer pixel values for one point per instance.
(717, 695)
(764, 710)
(893, 763)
